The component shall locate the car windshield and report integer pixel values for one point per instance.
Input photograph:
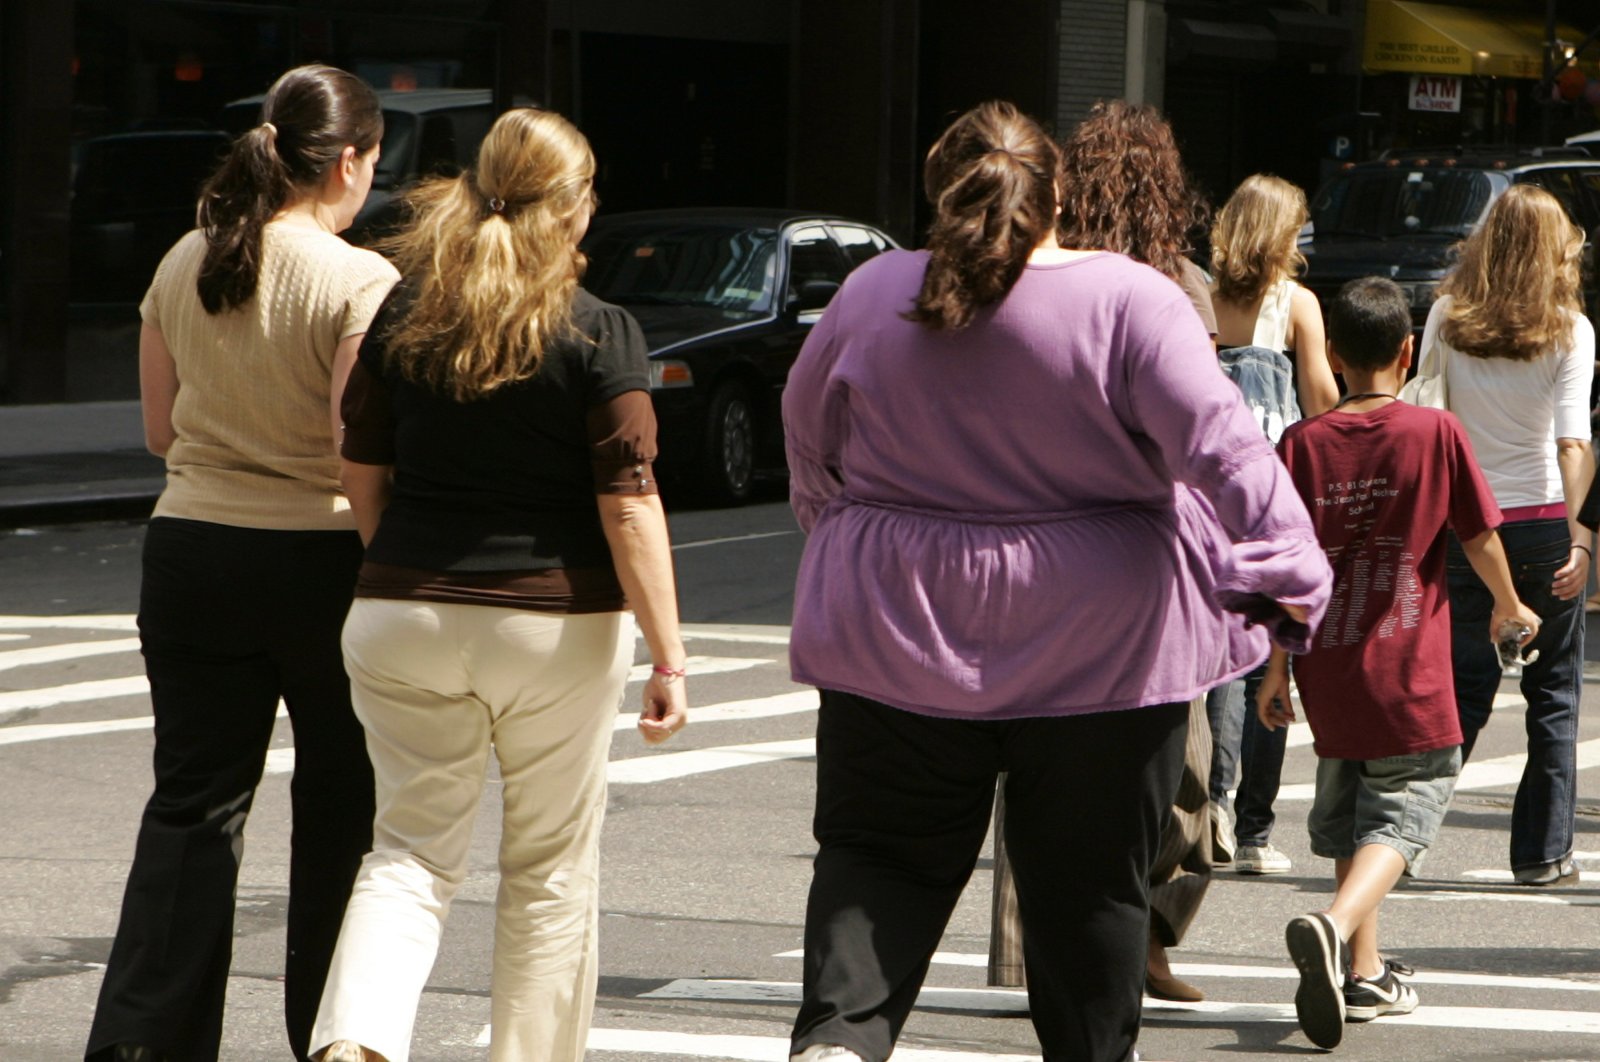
(727, 267)
(1403, 201)
(399, 128)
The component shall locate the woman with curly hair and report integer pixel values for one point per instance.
(1518, 360)
(1124, 189)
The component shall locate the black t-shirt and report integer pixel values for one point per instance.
(506, 482)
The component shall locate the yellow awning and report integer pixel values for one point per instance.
(1440, 39)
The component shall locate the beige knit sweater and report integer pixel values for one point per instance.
(254, 445)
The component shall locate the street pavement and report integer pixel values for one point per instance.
(706, 859)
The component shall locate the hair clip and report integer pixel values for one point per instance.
(271, 129)
(497, 205)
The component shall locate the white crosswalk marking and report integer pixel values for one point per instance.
(744, 1048)
(1478, 774)
(19, 701)
(754, 708)
(703, 665)
(1015, 1001)
(663, 766)
(54, 654)
(112, 621)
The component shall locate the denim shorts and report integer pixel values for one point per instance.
(1399, 801)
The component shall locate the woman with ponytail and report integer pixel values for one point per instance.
(497, 451)
(1018, 468)
(250, 327)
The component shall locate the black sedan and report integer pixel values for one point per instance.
(725, 298)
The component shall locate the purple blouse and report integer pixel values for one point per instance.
(1045, 513)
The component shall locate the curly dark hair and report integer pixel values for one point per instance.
(1124, 189)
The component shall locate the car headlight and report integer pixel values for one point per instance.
(666, 374)
(1420, 294)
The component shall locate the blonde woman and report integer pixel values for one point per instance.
(498, 441)
(1254, 260)
(1519, 360)
(1262, 313)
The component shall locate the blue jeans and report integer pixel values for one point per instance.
(1542, 817)
(1240, 743)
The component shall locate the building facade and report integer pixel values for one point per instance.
(112, 110)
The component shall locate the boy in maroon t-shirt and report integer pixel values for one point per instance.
(1384, 481)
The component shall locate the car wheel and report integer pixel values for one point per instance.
(729, 464)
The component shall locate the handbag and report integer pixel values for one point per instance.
(1428, 387)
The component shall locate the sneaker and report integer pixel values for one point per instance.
(819, 1052)
(1365, 1000)
(1323, 961)
(343, 1051)
(1222, 843)
(1561, 872)
(1260, 859)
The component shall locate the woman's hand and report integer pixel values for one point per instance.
(1297, 613)
(1514, 613)
(1572, 576)
(666, 708)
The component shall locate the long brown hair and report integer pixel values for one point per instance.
(311, 114)
(492, 257)
(1124, 189)
(991, 178)
(1516, 280)
(1253, 240)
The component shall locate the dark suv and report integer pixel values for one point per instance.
(1399, 216)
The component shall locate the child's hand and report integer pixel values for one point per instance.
(1272, 699)
(1519, 614)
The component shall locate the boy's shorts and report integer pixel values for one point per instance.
(1399, 801)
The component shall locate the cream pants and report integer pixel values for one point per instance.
(437, 686)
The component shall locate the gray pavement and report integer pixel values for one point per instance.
(75, 461)
(705, 860)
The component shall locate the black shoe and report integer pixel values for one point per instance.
(1324, 963)
(1365, 1000)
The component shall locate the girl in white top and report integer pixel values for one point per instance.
(1254, 259)
(1518, 361)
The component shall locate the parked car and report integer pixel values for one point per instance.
(725, 297)
(1400, 215)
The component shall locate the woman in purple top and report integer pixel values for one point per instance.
(992, 446)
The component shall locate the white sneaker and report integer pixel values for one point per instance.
(819, 1052)
(343, 1051)
(1222, 843)
(1260, 859)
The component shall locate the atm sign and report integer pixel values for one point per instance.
(1435, 92)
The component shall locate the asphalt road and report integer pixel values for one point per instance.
(706, 860)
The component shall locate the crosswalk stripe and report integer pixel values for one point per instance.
(744, 1048)
(1478, 774)
(17, 735)
(54, 654)
(19, 701)
(1211, 969)
(703, 665)
(732, 711)
(1014, 1001)
(121, 621)
(750, 633)
(661, 767)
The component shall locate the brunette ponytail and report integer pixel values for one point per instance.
(992, 180)
(311, 114)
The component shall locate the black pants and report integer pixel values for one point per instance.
(903, 804)
(230, 620)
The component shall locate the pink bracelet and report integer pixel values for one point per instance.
(669, 672)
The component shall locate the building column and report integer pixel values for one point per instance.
(1146, 56)
(36, 54)
(853, 129)
(1092, 58)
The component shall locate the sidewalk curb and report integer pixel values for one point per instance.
(133, 503)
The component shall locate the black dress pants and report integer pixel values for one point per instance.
(230, 620)
(903, 804)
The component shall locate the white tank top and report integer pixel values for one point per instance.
(1272, 323)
